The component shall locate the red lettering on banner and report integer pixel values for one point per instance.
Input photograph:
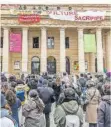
(29, 18)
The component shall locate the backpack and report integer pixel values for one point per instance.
(72, 120)
(13, 120)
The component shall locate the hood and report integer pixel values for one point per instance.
(4, 113)
(70, 107)
(107, 98)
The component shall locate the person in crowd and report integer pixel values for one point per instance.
(4, 87)
(92, 101)
(33, 111)
(82, 82)
(65, 79)
(14, 103)
(13, 84)
(104, 109)
(46, 93)
(3, 78)
(108, 76)
(5, 118)
(58, 87)
(32, 84)
(12, 78)
(69, 106)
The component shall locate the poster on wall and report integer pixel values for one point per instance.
(17, 65)
(76, 65)
(15, 42)
(89, 43)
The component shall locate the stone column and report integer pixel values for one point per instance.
(43, 61)
(99, 50)
(62, 51)
(109, 51)
(92, 62)
(25, 50)
(6, 50)
(81, 58)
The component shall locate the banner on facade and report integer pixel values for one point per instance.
(77, 16)
(89, 43)
(15, 42)
(32, 18)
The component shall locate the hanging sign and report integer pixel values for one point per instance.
(32, 18)
(89, 43)
(77, 16)
(15, 42)
(17, 65)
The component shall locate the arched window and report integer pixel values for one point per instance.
(35, 65)
(51, 65)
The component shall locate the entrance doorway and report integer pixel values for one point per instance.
(67, 65)
(35, 65)
(51, 65)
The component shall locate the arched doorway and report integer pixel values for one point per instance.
(51, 65)
(67, 65)
(35, 65)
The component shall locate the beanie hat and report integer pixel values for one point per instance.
(107, 88)
(90, 83)
(33, 93)
(69, 93)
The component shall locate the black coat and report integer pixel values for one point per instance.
(47, 96)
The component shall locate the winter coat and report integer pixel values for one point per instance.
(104, 112)
(4, 121)
(91, 109)
(82, 81)
(67, 108)
(46, 94)
(33, 117)
(14, 109)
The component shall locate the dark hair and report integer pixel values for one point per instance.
(10, 97)
(81, 74)
(64, 73)
(107, 88)
(13, 84)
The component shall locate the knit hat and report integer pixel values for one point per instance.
(2, 100)
(69, 93)
(33, 93)
(90, 83)
(45, 82)
(107, 88)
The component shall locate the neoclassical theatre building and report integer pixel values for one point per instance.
(55, 38)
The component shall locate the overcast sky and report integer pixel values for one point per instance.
(55, 1)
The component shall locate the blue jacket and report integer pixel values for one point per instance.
(14, 109)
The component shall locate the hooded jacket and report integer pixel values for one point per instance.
(4, 121)
(104, 112)
(67, 108)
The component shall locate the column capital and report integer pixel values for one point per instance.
(80, 29)
(62, 28)
(6, 28)
(25, 28)
(43, 28)
(98, 29)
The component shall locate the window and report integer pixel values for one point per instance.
(36, 42)
(1, 42)
(67, 42)
(50, 42)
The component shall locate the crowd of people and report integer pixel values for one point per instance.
(72, 95)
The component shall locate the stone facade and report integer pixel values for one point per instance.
(59, 30)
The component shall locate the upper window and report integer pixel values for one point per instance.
(36, 42)
(50, 42)
(1, 42)
(67, 42)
